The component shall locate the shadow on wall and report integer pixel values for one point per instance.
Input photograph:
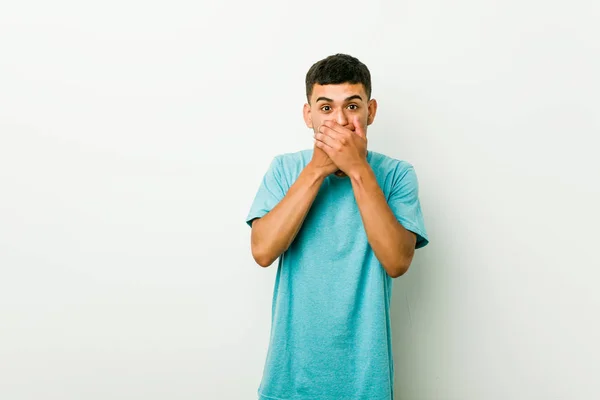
(420, 338)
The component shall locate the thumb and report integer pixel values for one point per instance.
(358, 128)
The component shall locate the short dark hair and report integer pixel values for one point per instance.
(336, 69)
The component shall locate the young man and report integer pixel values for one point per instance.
(343, 221)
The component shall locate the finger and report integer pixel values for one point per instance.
(329, 131)
(336, 127)
(358, 129)
(325, 147)
(328, 140)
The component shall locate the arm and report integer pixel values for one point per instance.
(275, 231)
(392, 244)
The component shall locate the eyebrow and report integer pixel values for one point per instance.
(355, 96)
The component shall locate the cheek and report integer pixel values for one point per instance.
(362, 121)
(317, 123)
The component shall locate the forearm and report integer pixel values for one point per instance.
(392, 244)
(274, 233)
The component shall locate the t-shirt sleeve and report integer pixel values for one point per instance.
(270, 192)
(404, 203)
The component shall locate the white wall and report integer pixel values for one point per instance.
(133, 137)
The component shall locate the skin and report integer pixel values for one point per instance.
(350, 102)
(339, 116)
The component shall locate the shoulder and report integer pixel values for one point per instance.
(289, 165)
(389, 168)
(301, 157)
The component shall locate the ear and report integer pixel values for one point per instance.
(372, 111)
(306, 115)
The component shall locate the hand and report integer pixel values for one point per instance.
(346, 148)
(322, 162)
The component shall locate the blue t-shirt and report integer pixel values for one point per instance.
(330, 323)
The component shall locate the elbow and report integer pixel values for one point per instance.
(400, 267)
(264, 251)
(398, 271)
(262, 258)
(263, 262)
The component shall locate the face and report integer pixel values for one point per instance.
(340, 103)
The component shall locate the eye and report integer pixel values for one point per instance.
(325, 108)
(353, 105)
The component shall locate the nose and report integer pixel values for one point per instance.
(341, 118)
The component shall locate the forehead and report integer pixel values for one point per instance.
(338, 92)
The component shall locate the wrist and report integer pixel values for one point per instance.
(316, 172)
(359, 171)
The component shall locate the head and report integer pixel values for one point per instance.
(339, 88)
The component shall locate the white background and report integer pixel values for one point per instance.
(133, 138)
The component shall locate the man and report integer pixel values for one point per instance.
(343, 221)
